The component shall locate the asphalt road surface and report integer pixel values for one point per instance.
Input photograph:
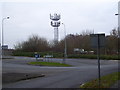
(83, 70)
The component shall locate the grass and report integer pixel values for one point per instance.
(106, 81)
(50, 64)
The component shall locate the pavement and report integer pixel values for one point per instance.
(15, 77)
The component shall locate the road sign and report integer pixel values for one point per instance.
(97, 37)
(37, 55)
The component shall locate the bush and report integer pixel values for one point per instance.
(31, 54)
(105, 57)
(28, 54)
(61, 55)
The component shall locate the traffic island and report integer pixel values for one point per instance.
(49, 64)
(15, 77)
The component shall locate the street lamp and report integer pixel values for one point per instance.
(65, 49)
(3, 30)
(118, 34)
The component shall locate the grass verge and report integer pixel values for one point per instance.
(106, 81)
(50, 64)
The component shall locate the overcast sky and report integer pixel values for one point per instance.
(32, 17)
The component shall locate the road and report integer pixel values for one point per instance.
(83, 70)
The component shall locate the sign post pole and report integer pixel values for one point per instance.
(98, 41)
(98, 57)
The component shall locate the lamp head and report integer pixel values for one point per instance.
(116, 14)
(8, 17)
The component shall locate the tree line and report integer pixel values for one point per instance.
(36, 43)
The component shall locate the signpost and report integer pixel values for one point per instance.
(98, 41)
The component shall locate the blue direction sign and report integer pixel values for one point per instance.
(37, 55)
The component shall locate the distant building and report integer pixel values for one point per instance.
(5, 51)
(4, 46)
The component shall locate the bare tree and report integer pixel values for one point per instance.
(33, 44)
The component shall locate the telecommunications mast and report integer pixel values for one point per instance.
(55, 23)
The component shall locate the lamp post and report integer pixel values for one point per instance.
(118, 34)
(3, 30)
(65, 48)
